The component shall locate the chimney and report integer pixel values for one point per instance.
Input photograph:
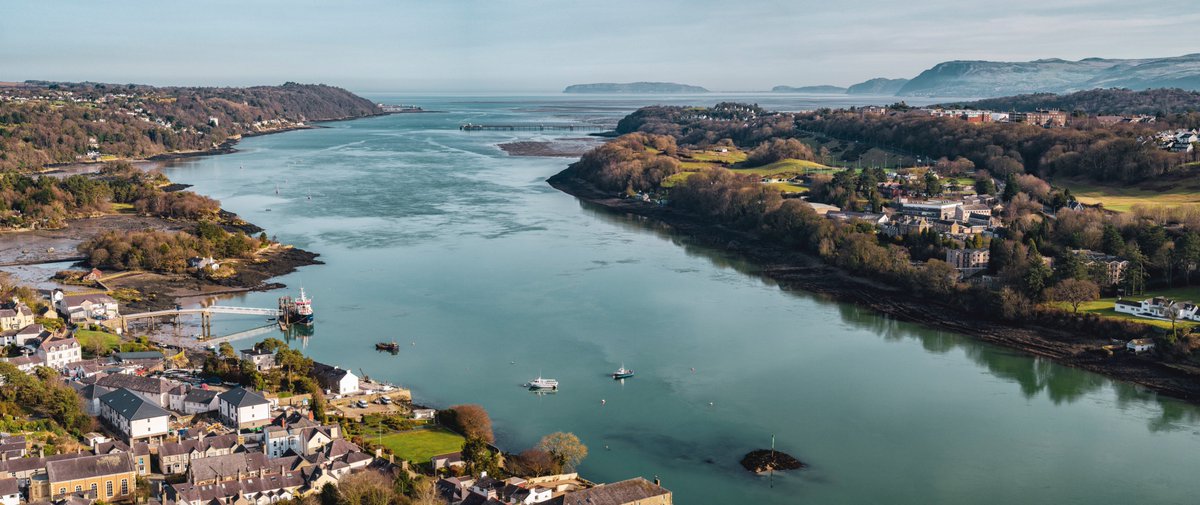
(656, 481)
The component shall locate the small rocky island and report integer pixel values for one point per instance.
(765, 460)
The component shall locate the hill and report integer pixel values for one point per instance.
(822, 89)
(990, 79)
(1096, 101)
(54, 122)
(877, 86)
(634, 87)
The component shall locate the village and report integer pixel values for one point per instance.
(169, 426)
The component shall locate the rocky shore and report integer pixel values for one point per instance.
(796, 270)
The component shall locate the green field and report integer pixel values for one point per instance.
(787, 167)
(1104, 306)
(89, 340)
(417, 446)
(1123, 198)
(729, 157)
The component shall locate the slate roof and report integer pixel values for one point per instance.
(228, 441)
(617, 493)
(131, 406)
(242, 397)
(217, 467)
(198, 395)
(68, 342)
(254, 488)
(136, 383)
(89, 466)
(9, 487)
(123, 356)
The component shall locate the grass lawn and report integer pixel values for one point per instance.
(731, 156)
(788, 187)
(123, 208)
(1123, 198)
(787, 167)
(88, 340)
(1104, 306)
(418, 446)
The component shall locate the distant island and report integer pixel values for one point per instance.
(824, 89)
(634, 87)
(876, 86)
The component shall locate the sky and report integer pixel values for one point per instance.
(545, 45)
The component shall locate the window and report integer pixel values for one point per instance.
(62, 490)
(78, 488)
(108, 488)
(124, 486)
(94, 490)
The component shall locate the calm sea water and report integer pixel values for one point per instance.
(489, 277)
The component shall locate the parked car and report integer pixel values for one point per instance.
(385, 400)
(362, 404)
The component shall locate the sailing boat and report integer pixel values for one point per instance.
(622, 373)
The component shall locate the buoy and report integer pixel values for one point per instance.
(602, 402)
(710, 404)
(693, 369)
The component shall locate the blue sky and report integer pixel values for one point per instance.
(544, 45)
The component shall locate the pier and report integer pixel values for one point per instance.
(205, 315)
(528, 127)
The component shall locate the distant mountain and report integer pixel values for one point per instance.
(634, 87)
(877, 86)
(984, 79)
(821, 90)
(1094, 101)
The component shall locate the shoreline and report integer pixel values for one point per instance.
(796, 270)
(226, 147)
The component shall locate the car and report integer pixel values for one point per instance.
(362, 404)
(385, 401)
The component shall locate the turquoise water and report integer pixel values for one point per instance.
(488, 277)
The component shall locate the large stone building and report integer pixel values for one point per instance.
(111, 476)
(964, 259)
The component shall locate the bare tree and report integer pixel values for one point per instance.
(1075, 292)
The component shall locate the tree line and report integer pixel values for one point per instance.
(39, 132)
(48, 202)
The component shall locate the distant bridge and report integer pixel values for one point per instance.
(205, 316)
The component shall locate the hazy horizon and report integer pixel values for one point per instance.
(543, 46)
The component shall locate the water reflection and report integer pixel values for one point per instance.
(1033, 375)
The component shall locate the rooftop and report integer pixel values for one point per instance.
(131, 406)
(89, 466)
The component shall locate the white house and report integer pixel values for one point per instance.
(10, 492)
(242, 408)
(23, 336)
(334, 379)
(1158, 308)
(78, 308)
(198, 401)
(133, 417)
(1140, 345)
(56, 353)
(263, 360)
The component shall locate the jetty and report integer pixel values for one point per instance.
(468, 127)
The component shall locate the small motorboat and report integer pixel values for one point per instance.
(540, 383)
(622, 373)
(388, 346)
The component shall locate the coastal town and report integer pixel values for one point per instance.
(210, 424)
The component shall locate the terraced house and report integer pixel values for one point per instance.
(134, 418)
